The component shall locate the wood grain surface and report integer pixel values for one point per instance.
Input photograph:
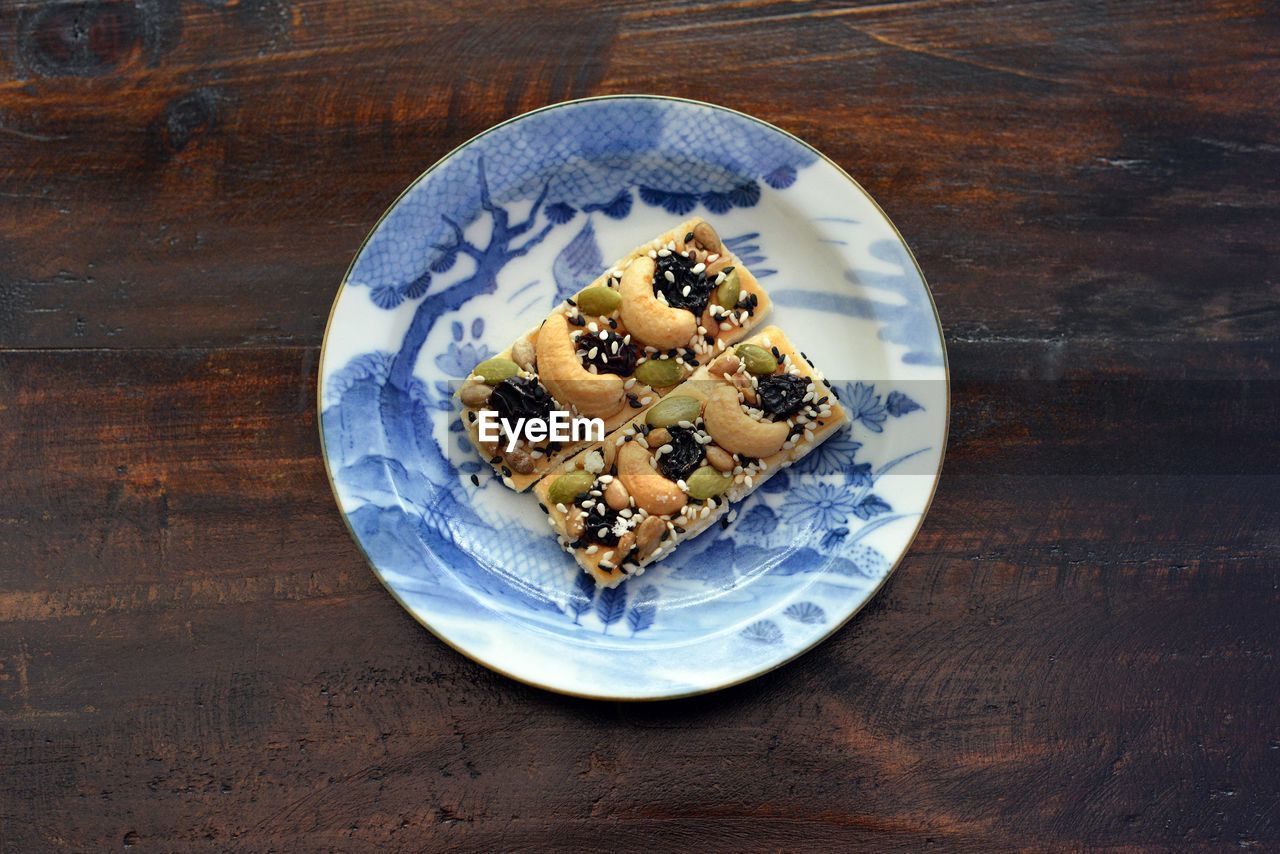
(1081, 649)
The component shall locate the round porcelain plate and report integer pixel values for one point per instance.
(480, 248)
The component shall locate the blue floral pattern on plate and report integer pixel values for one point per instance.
(479, 248)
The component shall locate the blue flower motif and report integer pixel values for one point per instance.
(386, 297)
(560, 213)
(763, 631)
(872, 505)
(616, 208)
(833, 538)
(859, 476)
(780, 482)
(898, 404)
(781, 178)
(806, 612)
(745, 195)
(758, 520)
(831, 457)
(445, 261)
(821, 505)
(418, 287)
(458, 360)
(717, 203)
(674, 203)
(864, 405)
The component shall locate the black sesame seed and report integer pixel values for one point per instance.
(493, 461)
(635, 404)
(471, 416)
(679, 530)
(543, 508)
(709, 338)
(724, 523)
(777, 355)
(688, 237)
(692, 361)
(475, 481)
(571, 302)
(577, 321)
(727, 270)
(506, 471)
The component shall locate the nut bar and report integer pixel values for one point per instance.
(674, 470)
(618, 346)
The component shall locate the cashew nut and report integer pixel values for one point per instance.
(595, 395)
(651, 491)
(645, 317)
(648, 535)
(737, 432)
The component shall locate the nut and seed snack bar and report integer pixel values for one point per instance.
(671, 472)
(615, 348)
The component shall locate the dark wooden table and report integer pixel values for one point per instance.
(1080, 649)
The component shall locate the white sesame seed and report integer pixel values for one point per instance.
(670, 277)
(699, 267)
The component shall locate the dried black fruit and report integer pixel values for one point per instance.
(622, 363)
(681, 270)
(521, 397)
(601, 518)
(684, 457)
(781, 396)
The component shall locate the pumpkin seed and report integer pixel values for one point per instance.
(569, 486)
(728, 291)
(659, 373)
(599, 301)
(706, 483)
(673, 410)
(758, 360)
(495, 370)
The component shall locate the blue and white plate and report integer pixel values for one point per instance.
(480, 248)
